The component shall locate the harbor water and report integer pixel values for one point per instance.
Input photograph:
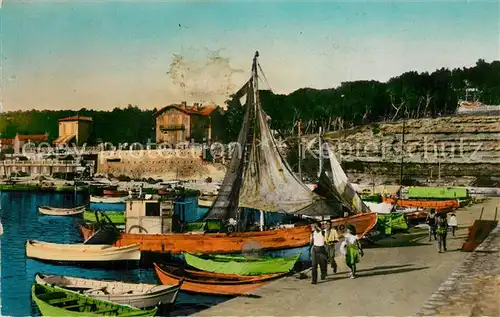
(22, 221)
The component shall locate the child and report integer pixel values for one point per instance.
(453, 223)
(351, 248)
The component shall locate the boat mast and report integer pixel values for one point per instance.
(255, 83)
(320, 153)
(299, 134)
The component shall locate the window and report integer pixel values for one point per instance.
(152, 209)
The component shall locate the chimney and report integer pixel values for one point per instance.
(183, 104)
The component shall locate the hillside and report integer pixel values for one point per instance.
(459, 149)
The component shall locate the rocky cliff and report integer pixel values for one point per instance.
(457, 149)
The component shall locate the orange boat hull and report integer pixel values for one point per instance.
(221, 243)
(200, 282)
(415, 203)
(114, 193)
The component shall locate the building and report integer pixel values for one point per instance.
(21, 140)
(74, 130)
(6, 144)
(179, 123)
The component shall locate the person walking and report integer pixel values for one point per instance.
(318, 253)
(331, 238)
(453, 223)
(351, 249)
(442, 232)
(431, 222)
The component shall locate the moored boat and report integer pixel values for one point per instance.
(107, 200)
(56, 301)
(114, 193)
(53, 211)
(81, 252)
(138, 295)
(241, 265)
(421, 203)
(213, 283)
(221, 243)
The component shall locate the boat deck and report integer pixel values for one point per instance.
(392, 280)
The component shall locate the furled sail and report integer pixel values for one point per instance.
(258, 177)
(226, 204)
(269, 184)
(338, 185)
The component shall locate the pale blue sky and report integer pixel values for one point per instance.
(63, 54)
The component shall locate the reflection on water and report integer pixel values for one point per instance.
(21, 221)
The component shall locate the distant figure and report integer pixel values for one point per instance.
(318, 253)
(453, 223)
(442, 231)
(1, 227)
(431, 222)
(351, 248)
(331, 238)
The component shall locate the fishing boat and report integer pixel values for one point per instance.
(420, 203)
(210, 283)
(56, 301)
(117, 217)
(107, 200)
(53, 211)
(138, 295)
(81, 252)
(241, 265)
(114, 193)
(257, 178)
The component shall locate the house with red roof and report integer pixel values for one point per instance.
(21, 140)
(178, 123)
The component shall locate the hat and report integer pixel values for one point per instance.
(352, 229)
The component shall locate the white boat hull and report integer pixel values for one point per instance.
(107, 200)
(51, 211)
(134, 294)
(81, 252)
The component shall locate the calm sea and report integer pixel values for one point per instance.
(21, 221)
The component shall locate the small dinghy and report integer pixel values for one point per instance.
(81, 252)
(55, 301)
(241, 265)
(107, 200)
(133, 294)
(53, 211)
(213, 283)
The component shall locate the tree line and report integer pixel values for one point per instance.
(410, 95)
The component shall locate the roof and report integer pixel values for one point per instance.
(32, 137)
(63, 139)
(195, 109)
(76, 118)
(6, 141)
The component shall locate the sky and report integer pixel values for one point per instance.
(104, 54)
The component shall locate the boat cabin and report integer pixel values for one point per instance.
(148, 216)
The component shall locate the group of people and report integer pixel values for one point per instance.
(323, 250)
(438, 228)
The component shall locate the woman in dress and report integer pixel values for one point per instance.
(351, 248)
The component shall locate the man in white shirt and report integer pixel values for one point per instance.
(318, 253)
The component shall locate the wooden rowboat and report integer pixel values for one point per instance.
(420, 203)
(114, 193)
(213, 283)
(107, 200)
(241, 265)
(81, 252)
(222, 243)
(134, 294)
(55, 301)
(53, 211)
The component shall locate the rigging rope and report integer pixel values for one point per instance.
(265, 78)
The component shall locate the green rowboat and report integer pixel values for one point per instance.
(117, 217)
(54, 301)
(240, 265)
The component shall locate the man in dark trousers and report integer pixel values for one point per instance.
(318, 253)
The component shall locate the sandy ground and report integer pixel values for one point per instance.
(393, 279)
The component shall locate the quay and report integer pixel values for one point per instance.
(42, 167)
(395, 278)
